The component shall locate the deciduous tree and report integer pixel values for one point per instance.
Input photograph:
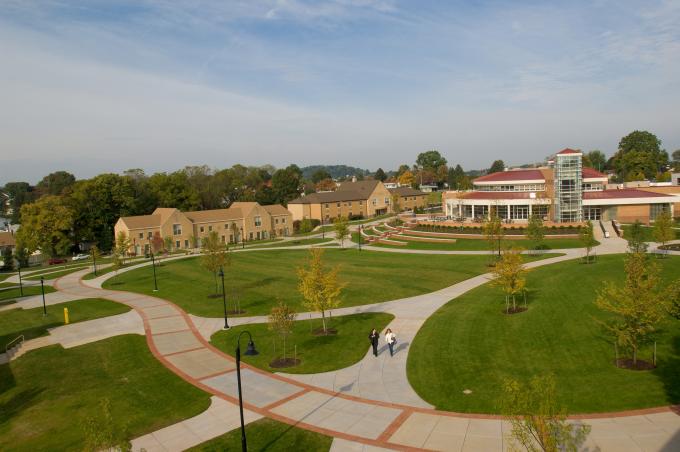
(587, 238)
(430, 160)
(55, 183)
(341, 230)
(536, 230)
(380, 175)
(497, 166)
(636, 238)
(215, 255)
(406, 178)
(281, 321)
(663, 228)
(47, 225)
(319, 287)
(510, 275)
(494, 234)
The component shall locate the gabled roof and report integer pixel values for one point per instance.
(330, 196)
(622, 193)
(164, 212)
(568, 151)
(205, 216)
(364, 187)
(276, 209)
(143, 221)
(406, 191)
(592, 173)
(495, 195)
(513, 175)
(7, 239)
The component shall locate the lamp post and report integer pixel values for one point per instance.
(153, 264)
(94, 262)
(250, 351)
(243, 240)
(21, 284)
(42, 289)
(224, 300)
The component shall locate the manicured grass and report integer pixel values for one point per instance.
(259, 278)
(130, 263)
(31, 322)
(269, 435)
(647, 233)
(298, 242)
(10, 294)
(475, 244)
(48, 394)
(316, 353)
(4, 276)
(56, 274)
(471, 344)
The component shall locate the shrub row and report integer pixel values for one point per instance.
(511, 230)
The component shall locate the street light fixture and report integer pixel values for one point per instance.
(250, 351)
(155, 282)
(224, 299)
(42, 289)
(21, 284)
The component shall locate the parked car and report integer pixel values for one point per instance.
(56, 260)
(80, 257)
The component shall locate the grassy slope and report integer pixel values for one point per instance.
(259, 278)
(272, 436)
(298, 242)
(647, 233)
(31, 322)
(48, 394)
(470, 344)
(11, 294)
(477, 245)
(317, 353)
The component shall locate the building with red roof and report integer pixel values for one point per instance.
(563, 192)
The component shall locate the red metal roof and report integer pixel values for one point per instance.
(568, 151)
(496, 195)
(620, 194)
(590, 173)
(507, 176)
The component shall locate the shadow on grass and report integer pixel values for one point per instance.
(668, 371)
(17, 402)
(29, 333)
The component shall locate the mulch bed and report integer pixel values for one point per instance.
(328, 332)
(279, 363)
(236, 311)
(215, 295)
(627, 363)
(517, 310)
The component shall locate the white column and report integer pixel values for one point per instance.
(529, 209)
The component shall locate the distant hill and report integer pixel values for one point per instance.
(336, 171)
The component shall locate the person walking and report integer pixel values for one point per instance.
(373, 337)
(391, 339)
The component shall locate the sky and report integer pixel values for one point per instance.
(97, 86)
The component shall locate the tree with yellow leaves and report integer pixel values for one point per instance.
(215, 255)
(319, 287)
(407, 178)
(510, 275)
(281, 320)
(663, 229)
(494, 234)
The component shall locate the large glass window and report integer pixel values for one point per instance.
(176, 229)
(592, 213)
(258, 221)
(656, 209)
(519, 212)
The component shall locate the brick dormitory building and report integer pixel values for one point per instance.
(241, 221)
(563, 192)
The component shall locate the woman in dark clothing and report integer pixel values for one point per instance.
(373, 337)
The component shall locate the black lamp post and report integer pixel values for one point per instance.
(153, 264)
(250, 351)
(224, 300)
(42, 289)
(94, 262)
(21, 284)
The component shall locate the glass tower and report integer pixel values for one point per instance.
(568, 187)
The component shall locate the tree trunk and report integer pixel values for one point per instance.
(514, 304)
(634, 356)
(216, 288)
(323, 320)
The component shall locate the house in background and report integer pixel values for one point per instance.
(409, 198)
(366, 198)
(242, 221)
(7, 240)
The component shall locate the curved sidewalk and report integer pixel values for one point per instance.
(176, 342)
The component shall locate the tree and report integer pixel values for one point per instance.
(538, 422)
(494, 233)
(319, 288)
(215, 256)
(536, 230)
(7, 259)
(430, 160)
(406, 178)
(497, 166)
(510, 275)
(55, 183)
(167, 244)
(19, 193)
(157, 243)
(402, 169)
(325, 185)
(587, 238)
(47, 225)
(286, 184)
(380, 175)
(636, 241)
(341, 230)
(639, 154)
(595, 159)
(676, 160)
(663, 228)
(174, 190)
(123, 244)
(281, 321)
(638, 306)
(319, 175)
(396, 203)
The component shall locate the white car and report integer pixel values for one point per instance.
(80, 257)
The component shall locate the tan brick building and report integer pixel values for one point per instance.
(409, 198)
(241, 221)
(364, 198)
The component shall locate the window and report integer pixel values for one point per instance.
(258, 222)
(176, 244)
(375, 201)
(326, 205)
(202, 229)
(149, 235)
(283, 220)
(276, 221)
(361, 203)
(231, 238)
(387, 200)
(176, 229)
(186, 244)
(141, 235)
(209, 228)
(656, 209)
(251, 236)
(223, 239)
(592, 213)
(338, 205)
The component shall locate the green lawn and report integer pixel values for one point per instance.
(10, 294)
(647, 233)
(476, 244)
(56, 274)
(317, 353)
(31, 322)
(269, 435)
(471, 344)
(129, 263)
(48, 395)
(298, 242)
(4, 276)
(259, 278)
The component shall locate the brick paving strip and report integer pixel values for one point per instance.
(174, 339)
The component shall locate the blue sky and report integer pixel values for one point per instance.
(97, 86)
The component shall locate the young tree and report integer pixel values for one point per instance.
(494, 233)
(536, 230)
(157, 243)
(663, 228)
(636, 238)
(341, 230)
(95, 254)
(639, 305)
(587, 238)
(281, 321)
(319, 287)
(538, 423)
(167, 244)
(510, 275)
(123, 244)
(215, 255)
(396, 203)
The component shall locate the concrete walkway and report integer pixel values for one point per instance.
(379, 413)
